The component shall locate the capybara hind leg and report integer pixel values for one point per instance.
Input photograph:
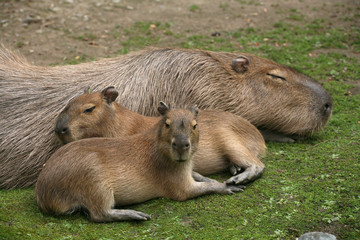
(270, 136)
(242, 158)
(250, 174)
(113, 215)
(101, 204)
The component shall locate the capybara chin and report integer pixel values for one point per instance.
(227, 142)
(271, 96)
(100, 173)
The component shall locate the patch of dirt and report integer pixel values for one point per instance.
(355, 89)
(46, 32)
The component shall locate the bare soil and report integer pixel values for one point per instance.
(47, 32)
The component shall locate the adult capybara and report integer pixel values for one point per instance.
(100, 173)
(227, 141)
(269, 95)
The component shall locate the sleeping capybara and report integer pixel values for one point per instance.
(227, 142)
(273, 97)
(100, 173)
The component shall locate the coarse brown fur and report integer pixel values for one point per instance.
(99, 173)
(227, 141)
(269, 95)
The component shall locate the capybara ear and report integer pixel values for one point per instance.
(110, 94)
(87, 90)
(163, 108)
(195, 111)
(240, 64)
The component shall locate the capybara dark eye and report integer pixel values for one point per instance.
(276, 76)
(89, 110)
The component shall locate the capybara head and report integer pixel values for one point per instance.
(89, 115)
(296, 101)
(178, 133)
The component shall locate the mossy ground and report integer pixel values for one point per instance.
(312, 185)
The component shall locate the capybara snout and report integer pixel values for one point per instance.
(62, 129)
(180, 143)
(323, 101)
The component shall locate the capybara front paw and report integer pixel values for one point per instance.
(235, 188)
(237, 179)
(137, 216)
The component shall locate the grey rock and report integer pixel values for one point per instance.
(317, 236)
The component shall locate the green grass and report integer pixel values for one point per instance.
(144, 34)
(312, 185)
(194, 8)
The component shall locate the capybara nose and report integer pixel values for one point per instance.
(325, 103)
(327, 108)
(61, 130)
(180, 144)
(61, 127)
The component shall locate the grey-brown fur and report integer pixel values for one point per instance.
(227, 142)
(100, 173)
(31, 96)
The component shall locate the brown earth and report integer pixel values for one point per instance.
(51, 32)
(46, 32)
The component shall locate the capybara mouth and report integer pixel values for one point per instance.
(181, 160)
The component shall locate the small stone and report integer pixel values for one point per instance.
(55, 9)
(215, 34)
(30, 20)
(317, 236)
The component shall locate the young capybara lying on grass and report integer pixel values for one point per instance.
(227, 141)
(99, 173)
(273, 97)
